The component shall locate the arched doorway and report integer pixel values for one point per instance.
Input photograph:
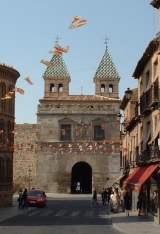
(81, 178)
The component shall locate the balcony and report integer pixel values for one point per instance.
(151, 156)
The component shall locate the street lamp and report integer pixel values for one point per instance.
(29, 178)
(119, 115)
(128, 93)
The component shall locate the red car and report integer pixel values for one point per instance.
(37, 198)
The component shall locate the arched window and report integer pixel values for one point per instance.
(102, 88)
(1, 133)
(110, 88)
(10, 102)
(52, 87)
(60, 88)
(1, 170)
(8, 170)
(2, 94)
(9, 132)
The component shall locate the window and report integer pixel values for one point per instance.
(147, 77)
(102, 88)
(1, 170)
(98, 133)
(153, 195)
(65, 134)
(9, 132)
(155, 67)
(52, 87)
(110, 88)
(60, 88)
(2, 94)
(8, 170)
(155, 90)
(1, 134)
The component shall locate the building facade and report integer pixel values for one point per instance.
(78, 135)
(8, 78)
(141, 141)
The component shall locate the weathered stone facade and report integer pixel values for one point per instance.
(24, 160)
(8, 78)
(78, 132)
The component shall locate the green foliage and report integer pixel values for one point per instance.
(16, 187)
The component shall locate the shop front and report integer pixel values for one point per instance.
(144, 180)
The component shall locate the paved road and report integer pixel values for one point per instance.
(62, 216)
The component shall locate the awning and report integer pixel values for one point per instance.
(138, 177)
(118, 179)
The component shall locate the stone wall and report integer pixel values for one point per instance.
(24, 160)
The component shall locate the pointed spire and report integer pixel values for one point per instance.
(106, 67)
(59, 68)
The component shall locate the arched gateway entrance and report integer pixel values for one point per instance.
(81, 178)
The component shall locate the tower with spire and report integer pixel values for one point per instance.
(56, 78)
(78, 135)
(106, 78)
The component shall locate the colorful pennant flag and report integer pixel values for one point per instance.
(49, 64)
(59, 48)
(28, 80)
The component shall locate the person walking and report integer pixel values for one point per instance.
(127, 203)
(121, 194)
(109, 194)
(105, 197)
(25, 199)
(94, 198)
(102, 196)
(139, 204)
(20, 193)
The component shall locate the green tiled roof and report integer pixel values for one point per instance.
(106, 67)
(59, 68)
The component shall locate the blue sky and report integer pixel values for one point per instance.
(28, 32)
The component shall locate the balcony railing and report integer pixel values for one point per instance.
(149, 157)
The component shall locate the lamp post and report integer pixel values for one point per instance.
(128, 93)
(29, 178)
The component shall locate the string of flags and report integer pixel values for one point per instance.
(58, 51)
(80, 23)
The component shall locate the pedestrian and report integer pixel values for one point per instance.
(121, 194)
(109, 194)
(105, 197)
(94, 198)
(139, 204)
(116, 193)
(127, 203)
(102, 196)
(25, 199)
(20, 199)
(112, 201)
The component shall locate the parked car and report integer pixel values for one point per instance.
(37, 198)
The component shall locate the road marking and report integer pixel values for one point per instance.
(46, 213)
(75, 213)
(31, 214)
(89, 213)
(60, 213)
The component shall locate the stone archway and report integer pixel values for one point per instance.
(81, 178)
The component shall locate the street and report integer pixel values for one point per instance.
(62, 216)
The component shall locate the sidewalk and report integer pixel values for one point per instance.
(134, 224)
(12, 211)
(128, 225)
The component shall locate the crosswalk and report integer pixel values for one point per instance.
(66, 213)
